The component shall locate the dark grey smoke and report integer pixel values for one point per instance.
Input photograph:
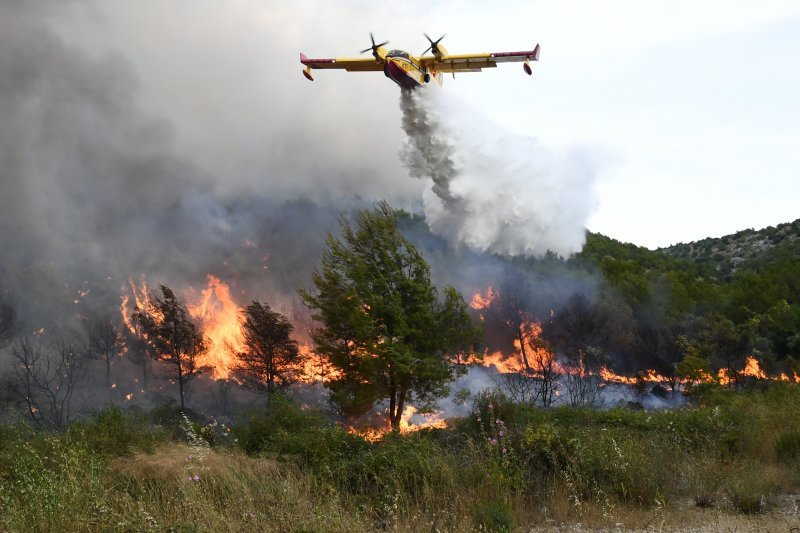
(426, 154)
(94, 190)
(92, 187)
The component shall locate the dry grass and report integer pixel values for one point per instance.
(171, 461)
(233, 492)
(783, 514)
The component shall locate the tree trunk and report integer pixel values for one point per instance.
(521, 339)
(270, 377)
(180, 386)
(392, 405)
(396, 410)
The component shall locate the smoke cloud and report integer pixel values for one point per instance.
(118, 160)
(491, 190)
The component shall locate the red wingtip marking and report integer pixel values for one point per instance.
(536, 53)
(303, 57)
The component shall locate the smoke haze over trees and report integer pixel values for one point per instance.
(102, 179)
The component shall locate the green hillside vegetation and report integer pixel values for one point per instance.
(718, 300)
(745, 250)
(751, 310)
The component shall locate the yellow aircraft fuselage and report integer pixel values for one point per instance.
(410, 72)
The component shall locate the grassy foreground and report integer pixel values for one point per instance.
(731, 462)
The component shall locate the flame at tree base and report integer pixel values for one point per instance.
(376, 431)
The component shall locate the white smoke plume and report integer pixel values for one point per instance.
(492, 190)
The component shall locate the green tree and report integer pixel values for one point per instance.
(383, 327)
(175, 339)
(693, 368)
(270, 354)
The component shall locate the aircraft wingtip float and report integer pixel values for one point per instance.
(409, 71)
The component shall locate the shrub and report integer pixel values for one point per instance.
(408, 464)
(304, 436)
(748, 487)
(47, 482)
(632, 468)
(787, 447)
(545, 449)
(116, 433)
(493, 516)
(704, 477)
(490, 405)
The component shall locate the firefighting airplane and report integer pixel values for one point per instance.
(410, 71)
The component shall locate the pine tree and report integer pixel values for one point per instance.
(270, 355)
(383, 327)
(175, 339)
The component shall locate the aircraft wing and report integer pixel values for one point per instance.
(350, 64)
(476, 62)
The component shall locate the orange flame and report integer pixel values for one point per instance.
(423, 421)
(220, 321)
(483, 301)
(219, 318)
(313, 367)
(141, 300)
(753, 369)
(503, 363)
(426, 420)
(216, 312)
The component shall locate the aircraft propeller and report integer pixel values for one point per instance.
(374, 46)
(434, 47)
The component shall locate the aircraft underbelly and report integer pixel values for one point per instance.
(404, 73)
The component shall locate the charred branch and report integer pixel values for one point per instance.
(46, 380)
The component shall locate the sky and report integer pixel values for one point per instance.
(688, 109)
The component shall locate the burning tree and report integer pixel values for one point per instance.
(538, 382)
(383, 327)
(269, 352)
(583, 377)
(512, 306)
(176, 341)
(581, 330)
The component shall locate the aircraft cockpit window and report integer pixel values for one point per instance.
(397, 53)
